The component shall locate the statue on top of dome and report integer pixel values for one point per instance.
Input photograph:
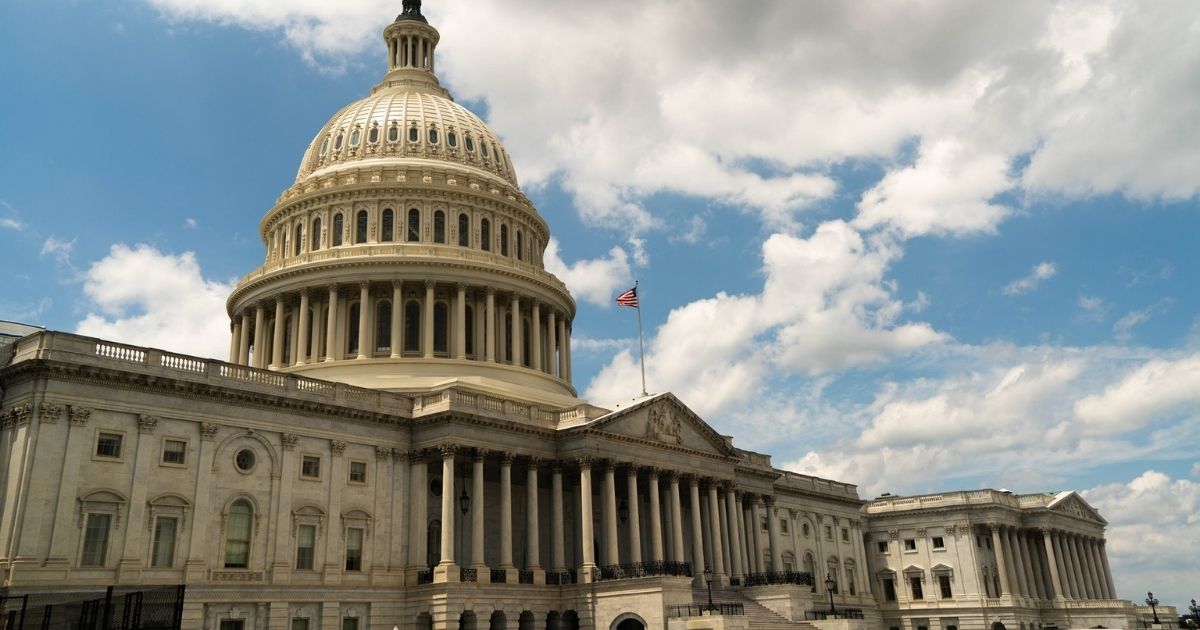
(411, 11)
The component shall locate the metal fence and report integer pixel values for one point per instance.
(696, 610)
(150, 609)
(817, 614)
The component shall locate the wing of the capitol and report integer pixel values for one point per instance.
(396, 442)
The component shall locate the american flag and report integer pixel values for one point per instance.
(628, 298)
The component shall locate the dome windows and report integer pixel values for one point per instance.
(470, 143)
(355, 136)
(373, 134)
(503, 240)
(485, 233)
(413, 134)
(298, 242)
(337, 142)
(325, 146)
(439, 227)
(414, 225)
(316, 235)
(388, 232)
(451, 139)
(464, 230)
(360, 227)
(433, 135)
(484, 147)
(338, 225)
(393, 133)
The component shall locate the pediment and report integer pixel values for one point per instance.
(1072, 504)
(663, 419)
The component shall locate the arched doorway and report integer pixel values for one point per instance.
(467, 621)
(424, 621)
(498, 621)
(570, 620)
(553, 621)
(628, 621)
(526, 621)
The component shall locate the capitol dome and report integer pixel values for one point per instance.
(405, 257)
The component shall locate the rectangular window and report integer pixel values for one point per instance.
(358, 472)
(350, 623)
(306, 538)
(310, 467)
(939, 542)
(95, 540)
(845, 534)
(944, 584)
(299, 623)
(917, 591)
(174, 452)
(164, 542)
(889, 589)
(783, 525)
(109, 445)
(763, 523)
(979, 541)
(882, 546)
(354, 547)
(910, 544)
(233, 624)
(828, 533)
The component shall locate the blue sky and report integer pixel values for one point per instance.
(962, 255)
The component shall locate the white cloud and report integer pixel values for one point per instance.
(144, 296)
(59, 249)
(1040, 272)
(1156, 389)
(1094, 308)
(595, 280)
(11, 224)
(190, 224)
(824, 306)
(1150, 519)
(1123, 328)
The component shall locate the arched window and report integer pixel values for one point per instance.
(441, 320)
(238, 527)
(388, 231)
(439, 227)
(412, 326)
(526, 350)
(470, 330)
(503, 240)
(355, 136)
(352, 331)
(470, 143)
(433, 135)
(298, 241)
(383, 326)
(810, 565)
(393, 133)
(338, 228)
(315, 240)
(485, 235)
(337, 143)
(850, 586)
(508, 340)
(464, 230)
(483, 146)
(451, 139)
(373, 134)
(360, 227)
(833, 572)
(414, 225)
(413, 134)
(520, 246)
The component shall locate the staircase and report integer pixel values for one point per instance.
(759, 617)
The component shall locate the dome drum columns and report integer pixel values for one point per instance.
(441, 322)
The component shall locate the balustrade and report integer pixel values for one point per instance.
(779, 577)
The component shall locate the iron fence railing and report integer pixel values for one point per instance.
(149, 609)
(696, 610)
(818, 614)
(779, 577)
(642, 569)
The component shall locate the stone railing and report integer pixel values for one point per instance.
(945, 499)
(641, 569)
(561, 577)
(779, 577)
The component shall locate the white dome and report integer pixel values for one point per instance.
(399, 123)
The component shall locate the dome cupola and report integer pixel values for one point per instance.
(405, 257)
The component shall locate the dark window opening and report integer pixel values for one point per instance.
(387, 232)
(360, 227)
(338, 227)
(464, 230)
(439, 227)
(440, 327)
(414, 225)
(412, 327)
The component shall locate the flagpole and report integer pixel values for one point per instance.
(641, 342)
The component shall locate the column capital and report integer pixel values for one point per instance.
(303, 292)
(672, 475)
(480, 455)
(397, 284)
(506, 458)
(448, 450)
(556, 466)
(364, 284)
(383, 451)
(653, 472)
(769, 500)
(583, 462)
(461, 286)
(332, 287)
(533, 461)
(608, 465)
(491, 292)
(429, 284)
(727, 485)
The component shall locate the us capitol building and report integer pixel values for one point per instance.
(395, 442)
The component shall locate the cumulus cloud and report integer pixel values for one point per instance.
(1040, 272)
(1157, 388)
(594, 280)
(144, 296)
(824, 306)
(1151, 518)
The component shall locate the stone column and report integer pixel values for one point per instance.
(532, 544)
(656, 539)
(611, 555)
(490, 327)
(478, 510)
(235, 335)
(331, 325)
(1033, 566)
(552, 335)
(698, 561)
(506, 540)
(773, 533)
(586, 537)
(364, 320)
(460, 323)
(714, 517)
(566, 350)
(1016, 561)
(1028, 563)
(558, 545)
(260, 334)
(302, 331)
(1063, 556)
(515, 334)
(1089, 561)
(397, 309)
(1081, 587)
(1052, 564)
(243, 357)
(1108, 581)
(419, 516)
(277, 334)
(740, 514)
(635, 521)
(448, 508)
(677, 520)
(756, 521)
(427, 328)
(731, 518)
(535, 344)
(316, 341)
(1001, 561)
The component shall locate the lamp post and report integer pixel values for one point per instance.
(623, 512)
(708, 577)
(829, 586)
(1153, 603)
(464, 506)
(1195, 613)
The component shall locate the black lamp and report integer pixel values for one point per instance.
(829, 586)
(708, 578)
(623, 511)
(464, 502)
(1153, 603)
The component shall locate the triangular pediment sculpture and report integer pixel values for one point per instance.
(1071, 503)
(663, 419)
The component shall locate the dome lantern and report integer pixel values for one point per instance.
(410, 44)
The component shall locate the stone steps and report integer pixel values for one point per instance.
(758, 617)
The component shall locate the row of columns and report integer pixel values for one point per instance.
(550, 336)
(724, 530)
(1048, 564)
